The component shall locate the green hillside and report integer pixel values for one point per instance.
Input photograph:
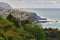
(9, 30)
(4, 22)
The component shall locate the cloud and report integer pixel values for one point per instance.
(33, 3)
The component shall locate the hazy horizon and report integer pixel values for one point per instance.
(45, 12)
(33, 3)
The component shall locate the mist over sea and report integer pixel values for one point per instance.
(52, 14)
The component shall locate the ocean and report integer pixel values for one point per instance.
(52, 14)
(53, 24)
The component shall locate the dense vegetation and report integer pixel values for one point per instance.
(10, 29)
(52, 34)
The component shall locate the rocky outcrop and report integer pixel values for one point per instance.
(22, 15)
(6, 9)
(35, 18)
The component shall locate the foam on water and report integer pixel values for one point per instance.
(53, 24)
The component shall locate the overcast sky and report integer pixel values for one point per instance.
(33, 3)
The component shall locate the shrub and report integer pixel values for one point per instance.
(1, 38)
(35, 30)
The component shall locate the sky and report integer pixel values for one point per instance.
(38, 4)
(33, 3)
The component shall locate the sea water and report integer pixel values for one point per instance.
(53, 24)
(50, 13)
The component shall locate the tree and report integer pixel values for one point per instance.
(13, 19)
(35, 30)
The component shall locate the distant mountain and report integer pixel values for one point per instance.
(22, 15)
(5, 5)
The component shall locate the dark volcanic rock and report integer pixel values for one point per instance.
(35, 18)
